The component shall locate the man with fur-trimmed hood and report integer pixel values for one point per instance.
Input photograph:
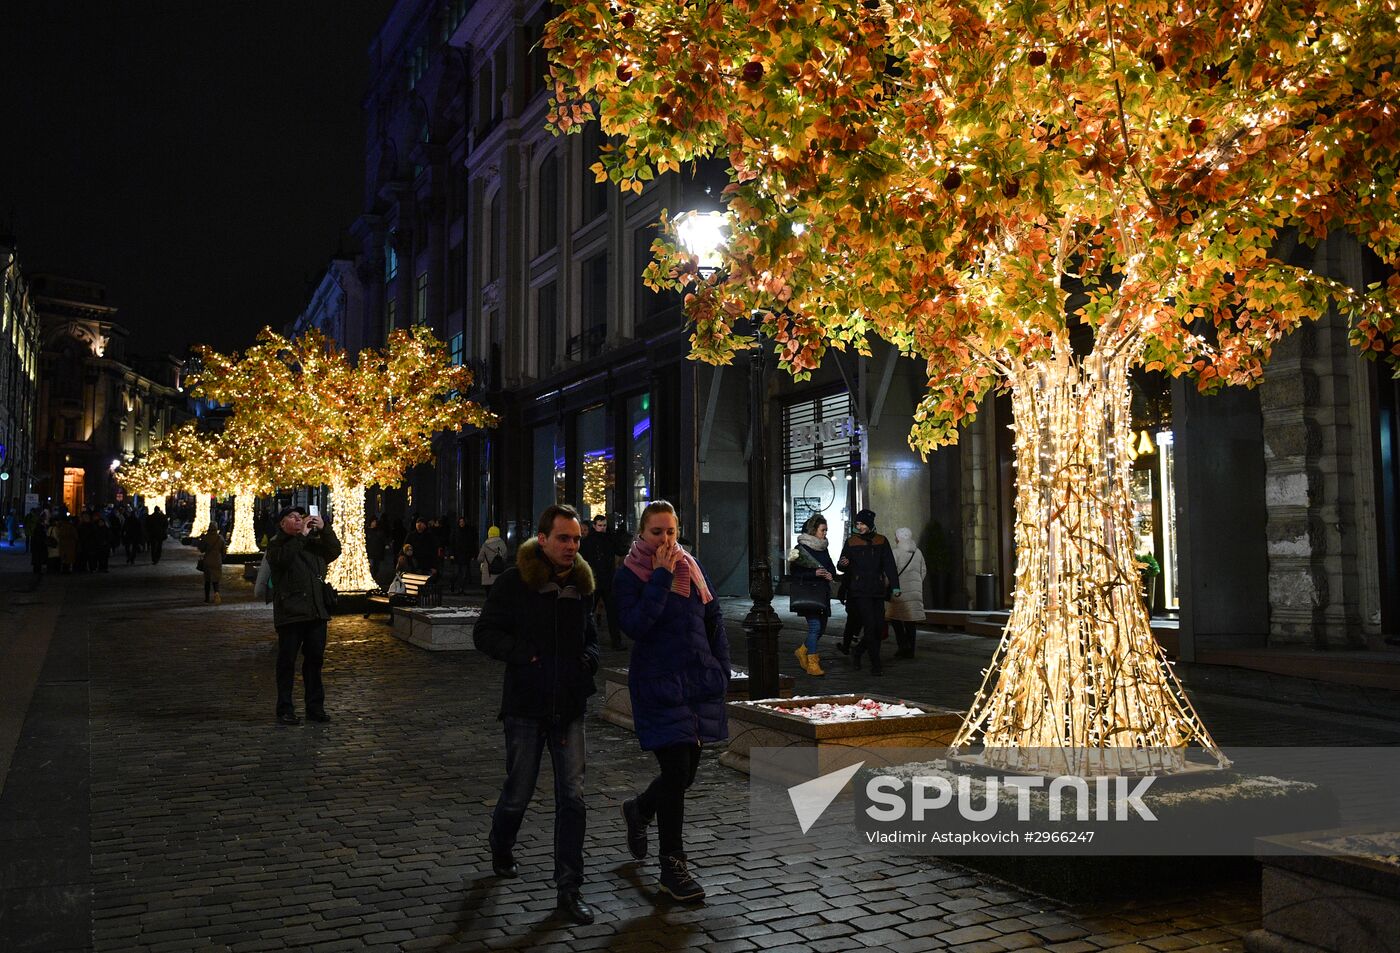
(538, 619)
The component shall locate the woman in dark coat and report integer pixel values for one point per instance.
(810, 562)
(678, 678)
(39, 545)
(212, 545)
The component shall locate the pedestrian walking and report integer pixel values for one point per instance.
(66, 536)
(460, 549)
(213, 547)
(906, 610)
(600, 551)
(157, 526)
(101, 543)
(375, 541)
(811, 571)
(87, 552)
(677, 679)
(871, 577)
(132, 535)
(538, 619)
(37, 533)
(425, 546)
(298, 554)
(491, 558)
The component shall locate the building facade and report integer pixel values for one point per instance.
(1272, 513)
(337, 306)
(98, 406)
(19, 382)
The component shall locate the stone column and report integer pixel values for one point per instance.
(1319, 479)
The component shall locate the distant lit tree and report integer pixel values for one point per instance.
(306, 413)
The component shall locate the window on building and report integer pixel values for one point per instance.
(547, 466)
(548, 305)
(391, 258)
(650, 305)
(595, 304)
(501, 71)
(391, 313)
(456, 349)
(420, 299)
(548, 193)
(595, 194)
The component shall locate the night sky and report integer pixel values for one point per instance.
(201, 159)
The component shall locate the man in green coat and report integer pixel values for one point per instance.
(298, 556)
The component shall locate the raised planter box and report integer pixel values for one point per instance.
(437, 630)
(1334, 891)
(755, 724)
(617, 701)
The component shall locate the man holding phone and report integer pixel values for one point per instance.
(298, 556)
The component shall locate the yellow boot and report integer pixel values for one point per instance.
(814, 665)
(801, 654)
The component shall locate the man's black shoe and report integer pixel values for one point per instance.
(504, 865)
(636, 829)
(320, 716)
(573, 907)
(676, 879)
(288, 718)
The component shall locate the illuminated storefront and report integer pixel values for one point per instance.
(821, 462)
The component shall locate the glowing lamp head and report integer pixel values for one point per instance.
(165, 474)
(703, 234)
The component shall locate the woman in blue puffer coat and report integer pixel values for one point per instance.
(678, 678)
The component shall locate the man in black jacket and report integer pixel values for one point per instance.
(871, 578)
(538, 619)
(297, 558)
(600, 551)
(156, 528)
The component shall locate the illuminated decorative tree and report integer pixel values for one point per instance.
(310, 414)
(247, 476)
(1035, 198)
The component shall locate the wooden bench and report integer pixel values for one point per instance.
(419, 591)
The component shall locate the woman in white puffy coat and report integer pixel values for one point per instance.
(905, 612)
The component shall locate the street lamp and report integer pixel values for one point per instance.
(702, 234)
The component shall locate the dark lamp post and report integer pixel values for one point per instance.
(702, 235)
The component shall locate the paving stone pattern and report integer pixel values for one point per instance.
(211, 828)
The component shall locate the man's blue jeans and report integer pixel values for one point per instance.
(526, 739)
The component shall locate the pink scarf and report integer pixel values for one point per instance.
(639, 560)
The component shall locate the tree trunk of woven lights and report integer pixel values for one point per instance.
(201, 514)
(245, 535)
(351, 572)
(1078, 669)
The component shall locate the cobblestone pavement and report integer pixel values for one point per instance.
(180, 818)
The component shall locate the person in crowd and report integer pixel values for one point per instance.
(600, 551)
(31, 524)
(157, 526)
(37, 534)
(405, 561)
(132, 535)
(491, 557)
(87, 555)
(425, 547)
(375, 541)
(678, 677)
(101, 543)
(905, 612)
(213, 547)
(872, 577)
(67, 536)
(461, 550)
(810, 562)
(298, 555)
(114, 531)
(538, 619)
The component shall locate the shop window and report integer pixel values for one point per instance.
(596, 463)
(821, 454)
(639, 462)
(548, 467)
